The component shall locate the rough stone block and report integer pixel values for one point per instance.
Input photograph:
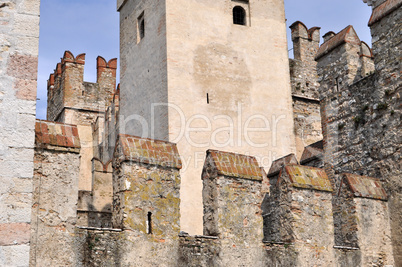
(23, 66)
(27, 25)
(14, 255)
(26, 45)
(14, 208)
(31, 7)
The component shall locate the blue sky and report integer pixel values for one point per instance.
(92, 27)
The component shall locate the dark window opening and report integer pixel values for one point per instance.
(149, 223)
(142, 28)
(207, 98)
(239, 15)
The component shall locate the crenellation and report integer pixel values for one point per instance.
(101, 197)
(72, 100)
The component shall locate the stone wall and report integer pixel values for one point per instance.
(19, 41)
(99, 247)
(56, 172)
(307, 120)
(222, 80)
(361, 219)
(386, 30)
(361, 115)
(232, 197)
(146, 200)
(95, 206)
(199, 251)
(297, 216)
(304, 82)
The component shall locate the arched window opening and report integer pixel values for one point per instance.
(239, 15)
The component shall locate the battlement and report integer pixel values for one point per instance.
(149, 151)
(313, 155)
(363, 186)
(300, 30)
(72, 100)
(383, 10)
(347, 35)
(305, 41)
(303, 77)
(344, 59)
(53, 135)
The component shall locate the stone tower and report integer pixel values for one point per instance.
(206, 75)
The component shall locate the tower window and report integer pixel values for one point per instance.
(239, 15)
(140, 27)
(149, 223)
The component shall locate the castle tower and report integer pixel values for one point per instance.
(72, 100)
(206, 75)
(304, 82)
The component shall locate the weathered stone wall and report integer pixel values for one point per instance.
(19, 41)
(385, 100)
(54, 210)
(362, 115)
(307, 120)
(99, 247)
(146, 201)
(199, 251)
(298, 218)
(232, 196)
(361, 219)
(143, 68)
(345, 219)
(223, 79)
(304, 82)
(374, 232)
(95, 206)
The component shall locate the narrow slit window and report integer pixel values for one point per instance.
(239, 15)
(149, 223)
(207, 98)
(140, 27)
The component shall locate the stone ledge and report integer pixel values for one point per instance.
(57, 136)
(235, 165)
(148, 151)
(384, 10)
(364, 186)
(308, 177)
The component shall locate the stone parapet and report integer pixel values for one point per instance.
(298, 217)
(148, 151)
(57, 136)
(384, 10)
